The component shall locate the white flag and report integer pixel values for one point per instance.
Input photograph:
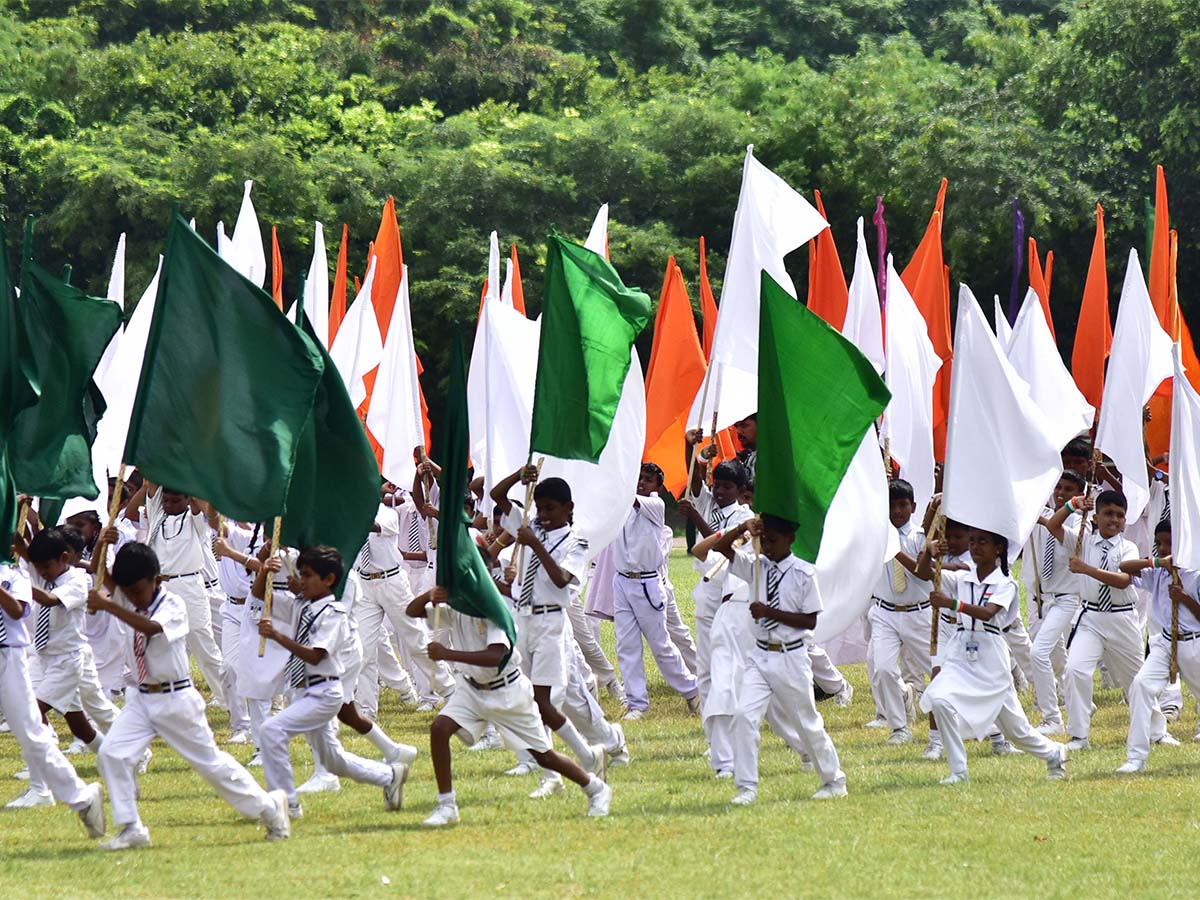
(912, 367)
(1034, 354)
(316, 289)
(245, 249)
(1004, 331)
(771, 221)
(116, 293)
(358, 347)
(1002, 461)
(1139, 362)
(1185, 471)
(224, 245)
(864, 325)
(493, 276)
(597, 239)
(506, 294)
(395, 414)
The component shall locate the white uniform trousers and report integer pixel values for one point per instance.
(259, 711)
(586, 630)
(1012, 723)
(216, 600)
(178, 718)
(1048, 656)
(1151, 681)
(1117, 638)
(200, 641)
(825, 674)
(111, 641)
(313, 714)
(639, 611)
(680, 634)
(231, 633)
(387, 599)
(893, 633)
(38, 742)
(576, 702)
(1020, 648)
(92, 696)
(786, 679)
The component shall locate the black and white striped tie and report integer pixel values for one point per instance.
(714, 519)
(414, 532)
(295, 665)
(529, 575)
(1048, 558)
(41, 635)
(364, 556)
(3, 632)
(774, 576)
(1104, 595)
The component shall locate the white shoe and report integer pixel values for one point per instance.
(1168, 740)
(321, 783)
(76, 748)
(1077, 743)
(443, 814)
(620, 756)
(30, 799)
(693, 705)
(910, 702)
(955, 778)
(597, 761)
(633, 715)
(1004, 748)
(214, 703)
(1132, 767)
(548, 788)
(241, 736)
(130, 838)
(404, 753)
(831, 791)
(255, 762)
(427, 706)
(744, 797)
(393, 794)
(725, 774)
(877, 722)
(933, 751)
(900, 736)
(22, 774)
(1052, 728)
(295, 811)
(279, 826)
(92, 815)
(806, 763)
(845, 696)
(410, 698)
(599, 803)
(489, 741)
(616, 690)
(144, 763)
(522, 768)
(1056, 769)
(1171, 712)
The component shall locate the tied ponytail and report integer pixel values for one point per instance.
(1003, 541)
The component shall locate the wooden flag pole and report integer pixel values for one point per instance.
(687, 491)
(889, 464)
(23, 516)
(723, 561)
(1174, 668)
(1037, 576)
(939, 530)
(114, 505)
(428, 481)
(520, 560)
(1087, 492)
(268, 590)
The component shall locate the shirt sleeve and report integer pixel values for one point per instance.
(1128, 551)
(389, 522)
(574, 558)
(73, 592)
(653, 509)
(21, 590)
(172, 616)
(810, 599)
(1071, 535)
(511, 521)
(741, 513)
(1003, 595)
(742, 565)
(330, 631)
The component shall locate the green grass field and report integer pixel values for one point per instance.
(1009, 834)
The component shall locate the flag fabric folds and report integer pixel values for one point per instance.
(817, 396)
(316, 289)
(828, 295)
(1002, 461)
(863, 325)
(589, 322)
(227, 386)
(460, 569)
(16, 394)
(1185, 470)
(1093, 334)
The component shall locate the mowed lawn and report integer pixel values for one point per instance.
(1010, 833)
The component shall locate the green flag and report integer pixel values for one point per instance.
(67, 332)
(227, 386)
(589, 322)
(460, 568)
(817, 396)
(334, 491)
(16, 393)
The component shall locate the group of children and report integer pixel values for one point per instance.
(293, 643)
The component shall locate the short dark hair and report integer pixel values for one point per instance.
(92, 517)
(323, 560)
(731, 470)
(1111, 498)
(74, 538)
(1163, 526)
(654, 469)
(133, 563)
(899, 489)
(555, 489)
(956, 525)
(48, 544)
(1079, 446)
(778, 524)
(1074, 477)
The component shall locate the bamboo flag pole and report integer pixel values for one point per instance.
(723, 561)
(1086, 493)
(939, 530)
(114, 505)
(268, 590)
(427, 480)
(1174, 668)
(23, 516)
(687, 492)
(520, 560)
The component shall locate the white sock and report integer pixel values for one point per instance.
(382, 742)
(96, 742)
(448, 799)
(594, 786)
(573, 739)
(935, 737)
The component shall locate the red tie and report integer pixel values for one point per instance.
(139, 653)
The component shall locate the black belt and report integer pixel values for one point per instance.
(1182, 636)
(320, 679)
(494, 685)
(638, 576)
(237, 601)
(897, 607)
(165, 687)
(987, 626)
(542, 609)
(184, 575)
(1125, 607)
(209, 585)
(949, 618)
(779, 647)
(379, 576)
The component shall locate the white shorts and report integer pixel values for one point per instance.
(541, 641)
(511, 709)
(56, 680)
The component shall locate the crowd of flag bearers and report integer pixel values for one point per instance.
(278, 570)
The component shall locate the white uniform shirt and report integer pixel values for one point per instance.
(66, 618)
(916, 591)
(235, 580)
(719, 518)
(996, 588)
(469, 635)
(14, 632)
(638, 547)
(166, 656)
(1049, 558)
(1158, 583)
(381, 552)
(795, 590)
(177, 540)
(1107, 554)
(566, 548)
(329, 631)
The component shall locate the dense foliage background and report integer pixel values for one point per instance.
(520, 114)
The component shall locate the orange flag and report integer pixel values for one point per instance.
(927, 279)
(389, 264)
(675, 374)
(276, 269)
(518, 292)
(828, 295)
(1041, 283)
(1093, 335)
(337, 304)
(726, 440)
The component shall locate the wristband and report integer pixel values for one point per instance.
(1071, 506)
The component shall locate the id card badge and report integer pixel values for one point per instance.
(972, 650)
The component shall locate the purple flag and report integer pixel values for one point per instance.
(881, 251)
